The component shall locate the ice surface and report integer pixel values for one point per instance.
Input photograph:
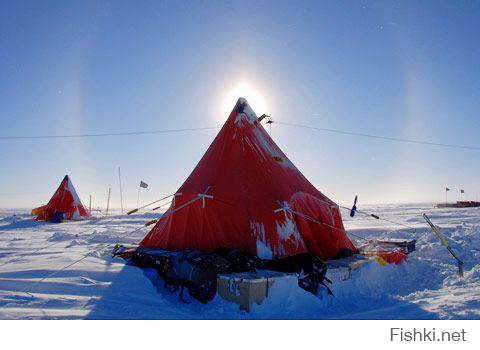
(427, 286)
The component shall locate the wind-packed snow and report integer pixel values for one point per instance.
(427, 286)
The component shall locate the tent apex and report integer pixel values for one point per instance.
(240, 105)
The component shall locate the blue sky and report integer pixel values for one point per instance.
(404, 69)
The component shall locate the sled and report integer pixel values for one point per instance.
(391, 251)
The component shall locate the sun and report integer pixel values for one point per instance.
(254, 98)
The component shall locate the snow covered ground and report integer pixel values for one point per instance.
(427, 286)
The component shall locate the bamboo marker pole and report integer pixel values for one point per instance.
(108, 201)
(138, 195)
(445, 244)
(120, 182)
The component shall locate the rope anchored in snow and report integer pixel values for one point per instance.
(101, 246)
(173, 201)
(19, 256)
(353, 210)
(168, 213)
(286, 208)
(377, 217)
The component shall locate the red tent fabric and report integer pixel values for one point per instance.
(64, 205)
(245, 193)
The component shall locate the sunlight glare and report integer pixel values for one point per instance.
(254, 98)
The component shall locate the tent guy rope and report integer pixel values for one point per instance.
(149, 204)
(29, 289)
(269, 122)
(106, 134)
(19, 256)
(381, 137)
(95, 219)
(100, 246)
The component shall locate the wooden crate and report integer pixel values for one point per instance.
(247, 288)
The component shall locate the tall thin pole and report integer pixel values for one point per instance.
(90, 205)
(120, 182)
(108, 201)
(138, 195)
(446, 191)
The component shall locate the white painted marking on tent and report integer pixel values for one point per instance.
(263, 250)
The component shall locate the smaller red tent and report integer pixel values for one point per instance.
(64, 205)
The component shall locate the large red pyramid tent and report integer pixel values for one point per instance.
(64, 205)
(245, 193)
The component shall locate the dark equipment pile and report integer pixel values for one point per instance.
(197, 271)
